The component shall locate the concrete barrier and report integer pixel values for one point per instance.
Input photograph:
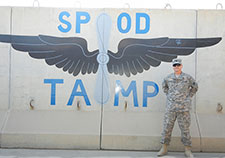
(108, 104)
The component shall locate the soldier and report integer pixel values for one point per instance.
(179, 88)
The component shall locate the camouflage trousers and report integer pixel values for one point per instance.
(184, 122)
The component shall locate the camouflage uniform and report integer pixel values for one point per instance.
(179, 91)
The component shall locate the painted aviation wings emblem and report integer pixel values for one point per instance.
(133, 56)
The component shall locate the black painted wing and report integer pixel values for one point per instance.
(136, 55)
(69, 53)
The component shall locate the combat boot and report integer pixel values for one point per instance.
(163, 150)
(188, 152)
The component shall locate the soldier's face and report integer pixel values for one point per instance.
(177, 68)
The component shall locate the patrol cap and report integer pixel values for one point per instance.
(176, 61)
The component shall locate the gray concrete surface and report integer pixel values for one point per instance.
(34, 153)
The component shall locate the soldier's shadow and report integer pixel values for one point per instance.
(174, 155)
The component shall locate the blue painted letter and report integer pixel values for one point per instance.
(80, 21)
(53, 87)
(145, 91)
(119, 23)
(76, 93)
(67, 23)
(138, 23)
(119, 87)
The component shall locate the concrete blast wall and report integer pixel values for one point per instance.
(64, 86)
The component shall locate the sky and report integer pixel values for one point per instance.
(152, 4)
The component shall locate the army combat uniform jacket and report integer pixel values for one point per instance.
(179, 91)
